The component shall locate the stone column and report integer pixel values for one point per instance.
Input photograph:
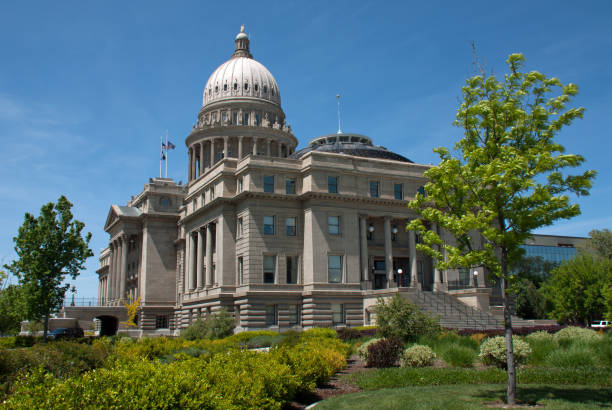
(254, 146)
(414, 278)
(117, 270)
(199, 257)
(202, 157)
(209, 255)
(192, 255)
(268, 145)
(212, 152)
(124, 252)
(225, 147)
(240, 147)
(363, 242)
(189, 167)
(111, 270)
(194, 174)
(388, 251)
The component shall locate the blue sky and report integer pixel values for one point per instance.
(86, 89)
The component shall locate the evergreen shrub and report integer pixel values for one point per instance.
(493, 351)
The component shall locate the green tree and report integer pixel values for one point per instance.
(12, 309)
(399, 318)
(600, 242)
(503, 180)
(49, 247)
(577, 289)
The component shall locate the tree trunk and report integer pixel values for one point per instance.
(511, 390)
(45, 328)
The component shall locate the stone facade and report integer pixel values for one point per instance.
(281, 238)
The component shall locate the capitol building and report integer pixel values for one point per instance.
(281, 237)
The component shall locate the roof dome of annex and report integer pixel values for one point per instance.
(349, 144)
(241, 77)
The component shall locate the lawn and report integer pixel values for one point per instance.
(473, 397)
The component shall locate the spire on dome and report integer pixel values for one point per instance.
(242, 45)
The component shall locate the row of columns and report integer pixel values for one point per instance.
(196, 152)
(116, 278)
(199, 263)
(365, 274)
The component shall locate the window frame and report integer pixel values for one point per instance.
(240, 227)
(329, 268)
(290, 186)
(295, 268)
(273, 225)
(266, 184)
(296, 313)
(265, 272)
(377, 185)
(337, 230)
(329, 186)
(401, 191)
(240, 266)
(273, 309)
(287, 226)
(341, 313)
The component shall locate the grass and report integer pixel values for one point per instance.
(408, 377)
(472, 397)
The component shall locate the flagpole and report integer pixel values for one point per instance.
(167, 153)
(161, 154)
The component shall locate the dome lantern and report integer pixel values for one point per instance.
(242, 45)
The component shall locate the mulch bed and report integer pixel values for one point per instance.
(335, 387)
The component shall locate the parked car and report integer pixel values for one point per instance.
(601, 324)
(66, 333)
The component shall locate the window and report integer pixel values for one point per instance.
(398, 191)
(240, 270)
(294, 314)
(240, 185)
(268, 225)
(235, 86)
(257, 119)
(269, 268)
(333, 225)
(212, 192)
(292, 269)
(224, 87)
(161, 322)
(246, 86)
(380, 265)
(256, 87)
(240, 227)
(290, 225)
(268, 183)
(265, 89)
(332, 185)
(271, 315)
(334, 268)
(164, 201)
(338, 316)
(374, 189)
(245, 119)
(290, 186)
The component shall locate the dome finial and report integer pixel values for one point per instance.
(242, 44)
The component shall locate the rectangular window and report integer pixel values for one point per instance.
(374, 189)
(292, 269)
(338, 316)
(294, 314)
(240, 187)
(268, 183)
(235, 118)
(271, 315)
(333, 225)
(380, 265)
(161, 322)
(332, 185)
(240, 227)
(290, 186)
(240, 270)
(334, 268)
(398, 191)
(245, 119)
(212, 192)
(268, 225)
(269, 268)
(291, 226)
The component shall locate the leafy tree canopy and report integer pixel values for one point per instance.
(505, 178)
(600, 242)
(49, 248)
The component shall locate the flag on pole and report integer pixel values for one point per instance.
(170, 145)
(163, 156)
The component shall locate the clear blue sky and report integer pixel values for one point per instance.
(86, 89)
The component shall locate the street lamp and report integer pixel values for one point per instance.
(73, 290)
(371, 228)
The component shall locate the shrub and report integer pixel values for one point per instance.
(348, 333)
(318, 332)
(216, 326)
(459, 356)
(362, 351)
(493, 351)
(399, 318)
(577, 355)
(417, 356)
(539, 336)
(384, 353)
(573, 334)
(264, 341)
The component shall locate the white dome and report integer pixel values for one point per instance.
(241, 77)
